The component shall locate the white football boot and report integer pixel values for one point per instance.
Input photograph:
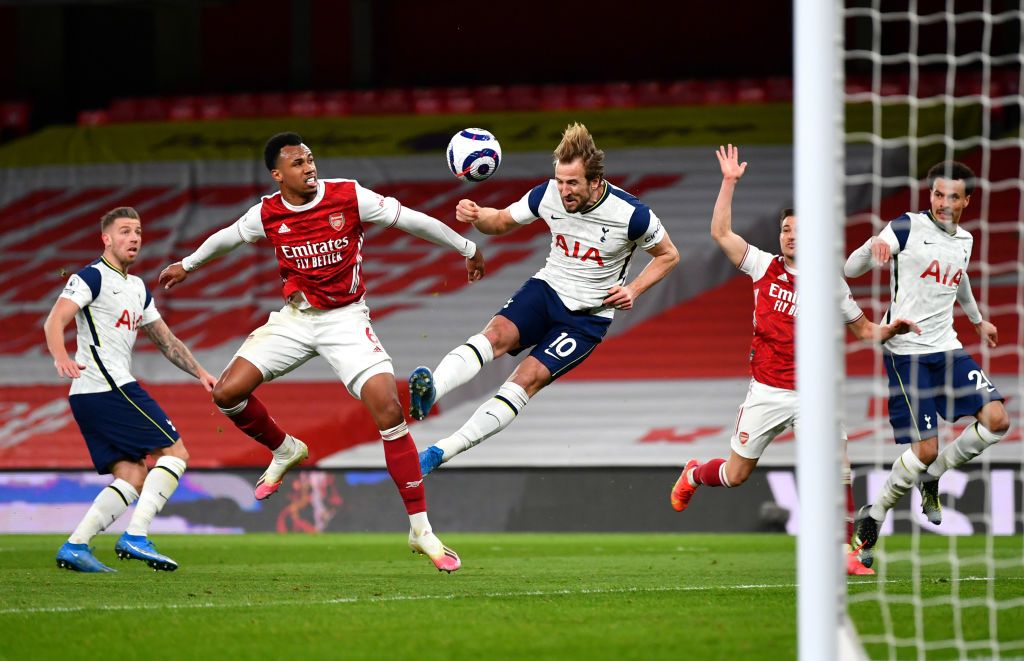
(429, 545)
(291, 453)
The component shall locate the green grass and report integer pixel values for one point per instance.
(519, 596)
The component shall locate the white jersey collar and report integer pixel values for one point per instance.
(309, 205)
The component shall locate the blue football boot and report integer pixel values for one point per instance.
(138, 547)
(430, 459)
(421, 392)
(79, 557)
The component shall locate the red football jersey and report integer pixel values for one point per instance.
(318, 245)
(772, 353)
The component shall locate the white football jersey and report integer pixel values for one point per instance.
(927, 266)
(114, 305)
(590, 250)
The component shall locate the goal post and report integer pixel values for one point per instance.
(818, 135)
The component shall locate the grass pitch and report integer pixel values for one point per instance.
(518, 596)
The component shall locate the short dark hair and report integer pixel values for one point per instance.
(952, 170)
(276, 143)
(120, 212)
(785, 213)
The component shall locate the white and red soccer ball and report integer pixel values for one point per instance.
(473, 154)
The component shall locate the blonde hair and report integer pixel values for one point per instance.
(578, 143)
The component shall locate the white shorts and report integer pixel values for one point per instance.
(765, 413)
(343, 336)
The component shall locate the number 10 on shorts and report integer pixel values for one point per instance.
(561, 347)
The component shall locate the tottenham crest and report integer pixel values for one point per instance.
(337, 220)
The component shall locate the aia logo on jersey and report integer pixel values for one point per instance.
(336, 220)
(942, 277)
(126, 319)
(590, 253)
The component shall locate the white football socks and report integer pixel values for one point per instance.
(419, 523)
(971, 442)
(110, 504)
(461, 364)
(905, 472)
(158, 487)
(493, 415)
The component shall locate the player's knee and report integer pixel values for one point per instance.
(388, 413)
(996, 419)
(226, 397)
(179, 450)
(926, 453)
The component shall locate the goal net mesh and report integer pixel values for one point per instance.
(928, 82)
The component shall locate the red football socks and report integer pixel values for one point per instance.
(255, 421)
(708, 473)
(403, 463)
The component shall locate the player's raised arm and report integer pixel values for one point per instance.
(733, 245)
(63, 311)
(486, 219)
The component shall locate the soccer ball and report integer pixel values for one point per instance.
(474, 154)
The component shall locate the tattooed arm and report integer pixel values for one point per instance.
(177, 352)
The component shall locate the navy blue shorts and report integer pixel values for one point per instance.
(124, 423)
(563, 338)
(924, 387)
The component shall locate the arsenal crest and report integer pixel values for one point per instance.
(337, 220)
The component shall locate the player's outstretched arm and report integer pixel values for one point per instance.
(431, 229)
(868, 331)
(486, 219)
(176, 352)
(63, 311)
(733, 245)
(219, 243)
(665, 259)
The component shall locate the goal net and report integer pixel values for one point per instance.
(928, 82)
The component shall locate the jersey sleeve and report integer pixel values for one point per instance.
(896, 233)
(250, 225)
(755, 262)
(377, 209)
(83, 287)
(149, 311)
(527, 209)
(850, 310)
(645, 228)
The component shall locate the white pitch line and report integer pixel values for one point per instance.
(429, 597)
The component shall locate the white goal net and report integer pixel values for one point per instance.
(928, 82)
